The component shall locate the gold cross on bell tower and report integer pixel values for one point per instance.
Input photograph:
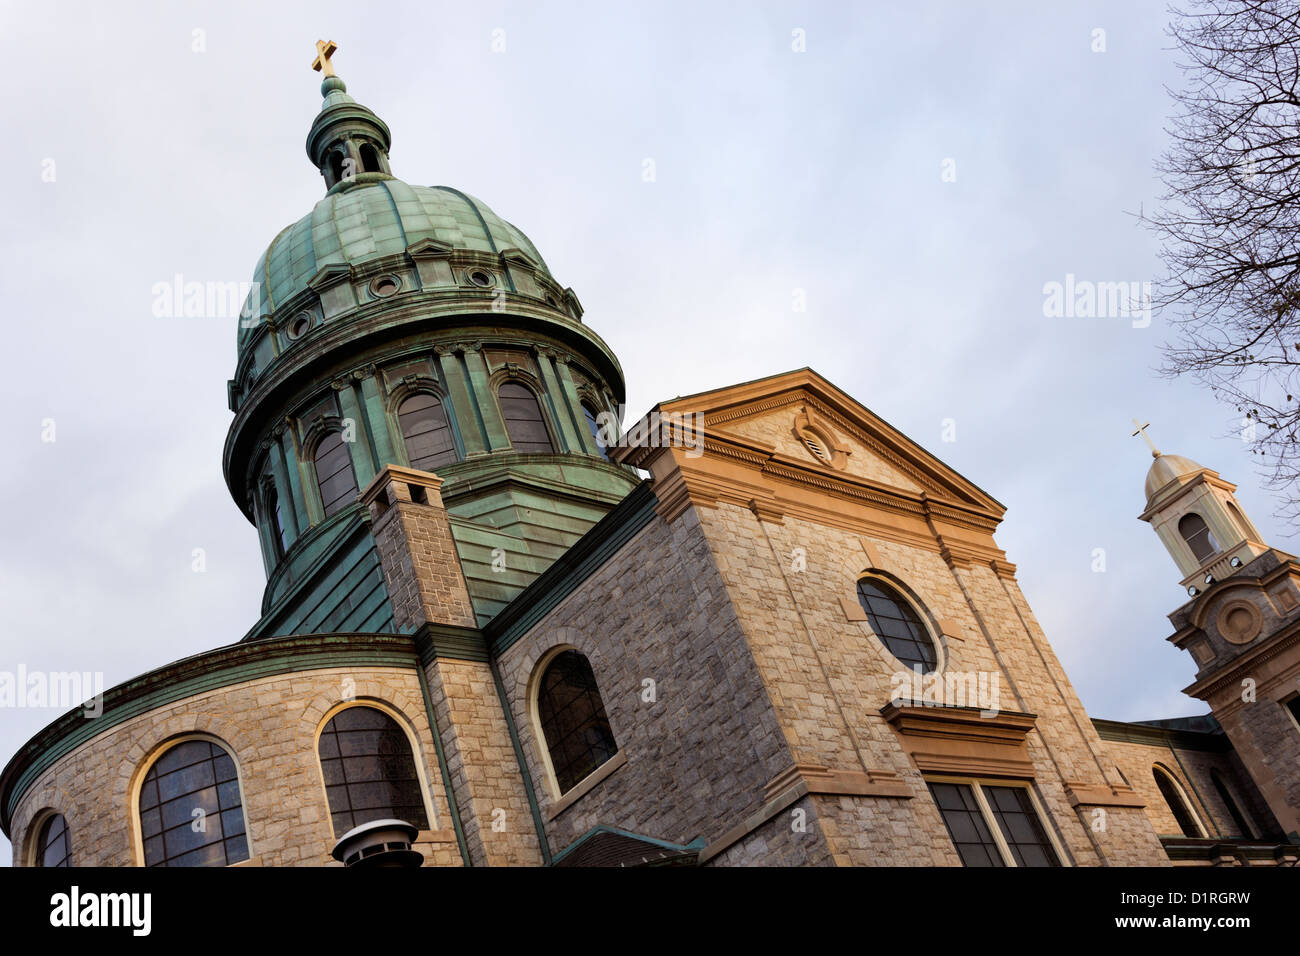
(1142, 430)
(324, 50)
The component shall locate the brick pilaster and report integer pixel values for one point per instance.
(426, 586)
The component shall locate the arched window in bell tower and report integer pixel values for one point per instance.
(336, 166)
(334, 475)
(523, 416)
(370, 159)
(1198, 537)
(1242, 525)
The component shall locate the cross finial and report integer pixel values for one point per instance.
(324, 50)
(1142, 430)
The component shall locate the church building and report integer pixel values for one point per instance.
(760, 626)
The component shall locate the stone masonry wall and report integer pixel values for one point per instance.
(269, 727)
(490, 795)
(1267, 739)
(701, 752)
(829, 676)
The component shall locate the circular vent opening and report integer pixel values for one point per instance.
(384, 286)
(300, 325)
(480, 278)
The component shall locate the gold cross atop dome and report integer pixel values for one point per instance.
(324, 50)
(1142, 430)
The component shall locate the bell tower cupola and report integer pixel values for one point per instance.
(1198, 519)
(348, 143)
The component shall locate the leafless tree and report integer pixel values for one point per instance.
(1230, 219)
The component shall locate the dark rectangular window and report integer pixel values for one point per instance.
(978, 813)
(1020, 826)
(1293, 705)
(966, 825)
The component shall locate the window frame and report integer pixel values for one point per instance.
(277, 529)
(34, 857)
(1289, 705)
(539, 396)
(142, 774)
(1244, 527)
(1235, 807)
(991, 821)
(918, 608)
(412, 741)
(1156, 770)
(321, 431)
(1205, 533)
(539, 732)
(589, 407)
(400, 397)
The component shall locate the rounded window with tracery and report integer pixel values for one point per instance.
(896, 623)
(53, 846)
(191, 810)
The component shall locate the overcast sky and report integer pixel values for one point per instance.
(829, 170)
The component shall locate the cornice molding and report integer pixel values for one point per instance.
(1239, 667)
(963, 741)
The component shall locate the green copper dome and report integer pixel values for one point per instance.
(373, 217)
(410, 326)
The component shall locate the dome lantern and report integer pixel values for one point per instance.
(347, 141)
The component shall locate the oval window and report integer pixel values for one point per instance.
(894, 620)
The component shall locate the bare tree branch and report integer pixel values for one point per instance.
(1230, 218)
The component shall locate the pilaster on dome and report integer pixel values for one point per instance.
(348, 142)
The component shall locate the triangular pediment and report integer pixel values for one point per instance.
(805, 423)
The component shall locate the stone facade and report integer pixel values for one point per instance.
(757, 717)
(701, 742)
(270, 728)
(1192, 769)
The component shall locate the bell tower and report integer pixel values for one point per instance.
(1195, 514)
(1241, 626)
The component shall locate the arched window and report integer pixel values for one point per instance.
(524, 422)
(1197, 535)
(1240, 518)
(897, 624)
(426, 432)
(1239, 818)
(191, 813)
(273, 515)
(336, 167)
(369, 772)
(334, 475)
(53, 846)
(370, 159)
(593, 423)
(1173, 795)
(572, 718)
